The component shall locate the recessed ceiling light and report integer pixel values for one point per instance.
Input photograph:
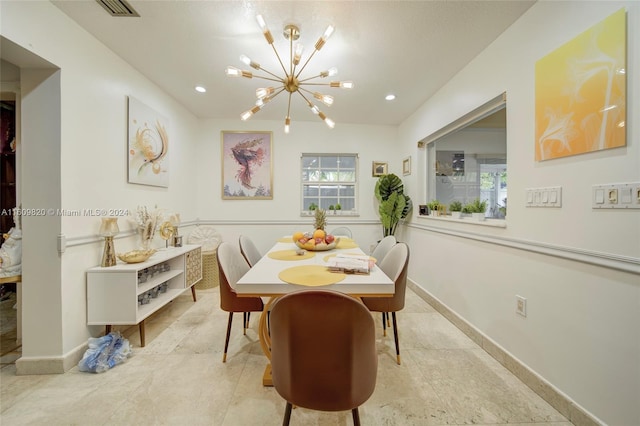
(200, 89)
(390, 97)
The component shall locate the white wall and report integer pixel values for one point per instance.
(92, 127)
(581, 333)
(264, 220)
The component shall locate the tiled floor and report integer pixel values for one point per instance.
(179, 378)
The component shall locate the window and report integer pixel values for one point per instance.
(468, 160)
(329, 180)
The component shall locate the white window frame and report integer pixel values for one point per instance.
(321, 200)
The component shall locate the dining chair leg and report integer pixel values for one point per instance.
(356, 416)
(287, 415)
(387, 315)
(244, 323)
(248, 318)
(226, 342)
(384, 324)
(395, 336)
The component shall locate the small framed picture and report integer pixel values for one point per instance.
(378, 169)
(406, 166)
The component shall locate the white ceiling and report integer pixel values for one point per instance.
(410, 48)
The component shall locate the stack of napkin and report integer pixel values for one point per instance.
(350, 264)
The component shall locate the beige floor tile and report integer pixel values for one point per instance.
(179, 379)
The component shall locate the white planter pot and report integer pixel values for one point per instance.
(478, 216)
(456, 215)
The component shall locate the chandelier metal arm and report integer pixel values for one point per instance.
(278, 79)
(311, 78)
(311, 105)
(306, 62)
(270, 73)
(289, 106)
(279, 60)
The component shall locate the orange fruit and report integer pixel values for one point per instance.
(297, 236)
(319, 233)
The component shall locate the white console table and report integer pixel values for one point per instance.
(114, 293)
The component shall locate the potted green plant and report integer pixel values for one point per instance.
(455, 207)
(338, 208)
(332, 209)
(312, 207)
(477, 209)
(394, 205)
(433, 207)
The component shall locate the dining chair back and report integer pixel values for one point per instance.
(232, 266)
(383, 247)
(249, 250)
(395, 264)
(341, 231)
(323, 351)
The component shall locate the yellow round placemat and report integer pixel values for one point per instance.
(310, 275)
(346, 243)
(290, 255)
(285, 240)
(329, 256)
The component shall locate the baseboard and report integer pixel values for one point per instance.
(26, 365)
(558, 400)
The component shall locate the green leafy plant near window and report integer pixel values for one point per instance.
(433, 205)
(394, 204)
(455, 206)
(338, 206)
(476, 206)
(313, 206)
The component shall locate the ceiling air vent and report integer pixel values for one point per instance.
(118, 7)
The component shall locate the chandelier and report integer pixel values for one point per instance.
(291, 82)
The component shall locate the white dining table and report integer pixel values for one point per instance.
(263, 280)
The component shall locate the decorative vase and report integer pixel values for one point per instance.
(145, 241)
(456, 215)
(478, 216)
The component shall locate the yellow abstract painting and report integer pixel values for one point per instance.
(581, 92)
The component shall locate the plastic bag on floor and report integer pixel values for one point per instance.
(104, 353)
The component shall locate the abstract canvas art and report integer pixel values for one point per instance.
(247, 165)
(581, 92)
(148, 159)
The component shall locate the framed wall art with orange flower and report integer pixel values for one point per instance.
(148, 160)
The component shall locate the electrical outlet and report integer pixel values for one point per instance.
(521, 306)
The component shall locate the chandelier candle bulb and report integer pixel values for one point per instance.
(265, 30)
(342, 84)
(246, 60)
(297, 54)
(325, 99)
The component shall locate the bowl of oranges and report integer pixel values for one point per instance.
(317, 240)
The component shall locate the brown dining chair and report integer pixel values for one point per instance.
(232, 266)
(249, 250)
(323, 351)
(395, 264)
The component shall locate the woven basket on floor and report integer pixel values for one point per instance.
(209, 270)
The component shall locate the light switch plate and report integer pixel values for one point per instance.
(550, 196)
(616, 196)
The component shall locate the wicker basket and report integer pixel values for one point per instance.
(209, 270)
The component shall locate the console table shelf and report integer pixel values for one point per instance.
(129, 293)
